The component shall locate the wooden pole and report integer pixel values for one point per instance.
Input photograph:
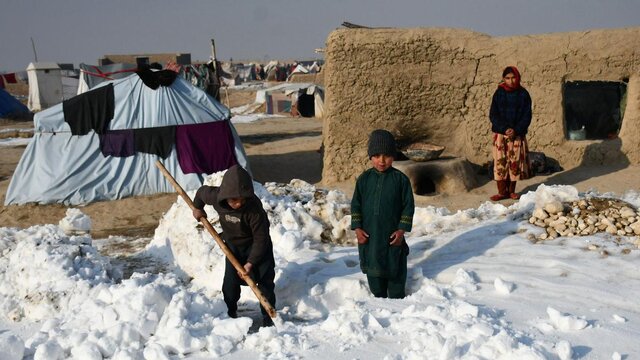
(225, 249)
(33, 45)
(216, 71)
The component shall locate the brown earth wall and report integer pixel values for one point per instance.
(436, 85)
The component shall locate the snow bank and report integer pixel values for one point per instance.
(477, 289)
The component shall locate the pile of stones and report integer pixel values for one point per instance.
(586, 217)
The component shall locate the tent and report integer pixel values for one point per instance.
(76, 157)
(303, 99)
(92, 75)
(306, 98)
(45, 85)
(11, 107)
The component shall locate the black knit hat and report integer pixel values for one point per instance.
(381, 142)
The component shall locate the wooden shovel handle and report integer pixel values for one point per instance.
(225, 249)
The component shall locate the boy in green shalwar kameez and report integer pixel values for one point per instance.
(381, 211)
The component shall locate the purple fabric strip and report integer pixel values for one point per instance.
(117, 143)
(205, 148)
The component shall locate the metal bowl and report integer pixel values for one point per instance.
(422, 151)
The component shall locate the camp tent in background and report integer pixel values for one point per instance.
(92, 75)
(11, 107)
(134, 125)
(45, 85)
(297, 99)
(305, 99)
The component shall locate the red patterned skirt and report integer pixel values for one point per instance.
(510, 158)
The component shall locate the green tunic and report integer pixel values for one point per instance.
(382, 203)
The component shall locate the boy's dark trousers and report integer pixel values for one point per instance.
(392, 288)
(263, 274)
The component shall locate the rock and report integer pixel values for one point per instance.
(532, 220)
(627, 212)
(607, 222)
(540, 213)
(635, 227)
(559, 227)
(553, 207)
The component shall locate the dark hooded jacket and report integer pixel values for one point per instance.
(511, 107)
(245, 227)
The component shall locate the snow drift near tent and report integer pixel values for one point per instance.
(58, 166)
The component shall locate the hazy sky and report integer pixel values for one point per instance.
(75, 31)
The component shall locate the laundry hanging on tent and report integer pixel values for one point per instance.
(198, 75)
(205, 148)
(155, 140)
(90, 111)
(155, 79)
(119, 143)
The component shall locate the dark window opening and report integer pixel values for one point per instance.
(423, 185)
(593, 109)
(306, 105)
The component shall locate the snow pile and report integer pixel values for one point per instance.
(477, 289)
(75, 222)
(565, 322)
(45, 272)
(242, 114)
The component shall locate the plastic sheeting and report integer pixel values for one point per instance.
(10, 106)
(58, 167)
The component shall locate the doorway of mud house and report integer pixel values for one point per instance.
(593, 110)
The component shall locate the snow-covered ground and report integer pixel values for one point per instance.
(478, 287)
(249, 118)
(15, 141)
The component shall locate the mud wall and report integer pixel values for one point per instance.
(436, 85)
